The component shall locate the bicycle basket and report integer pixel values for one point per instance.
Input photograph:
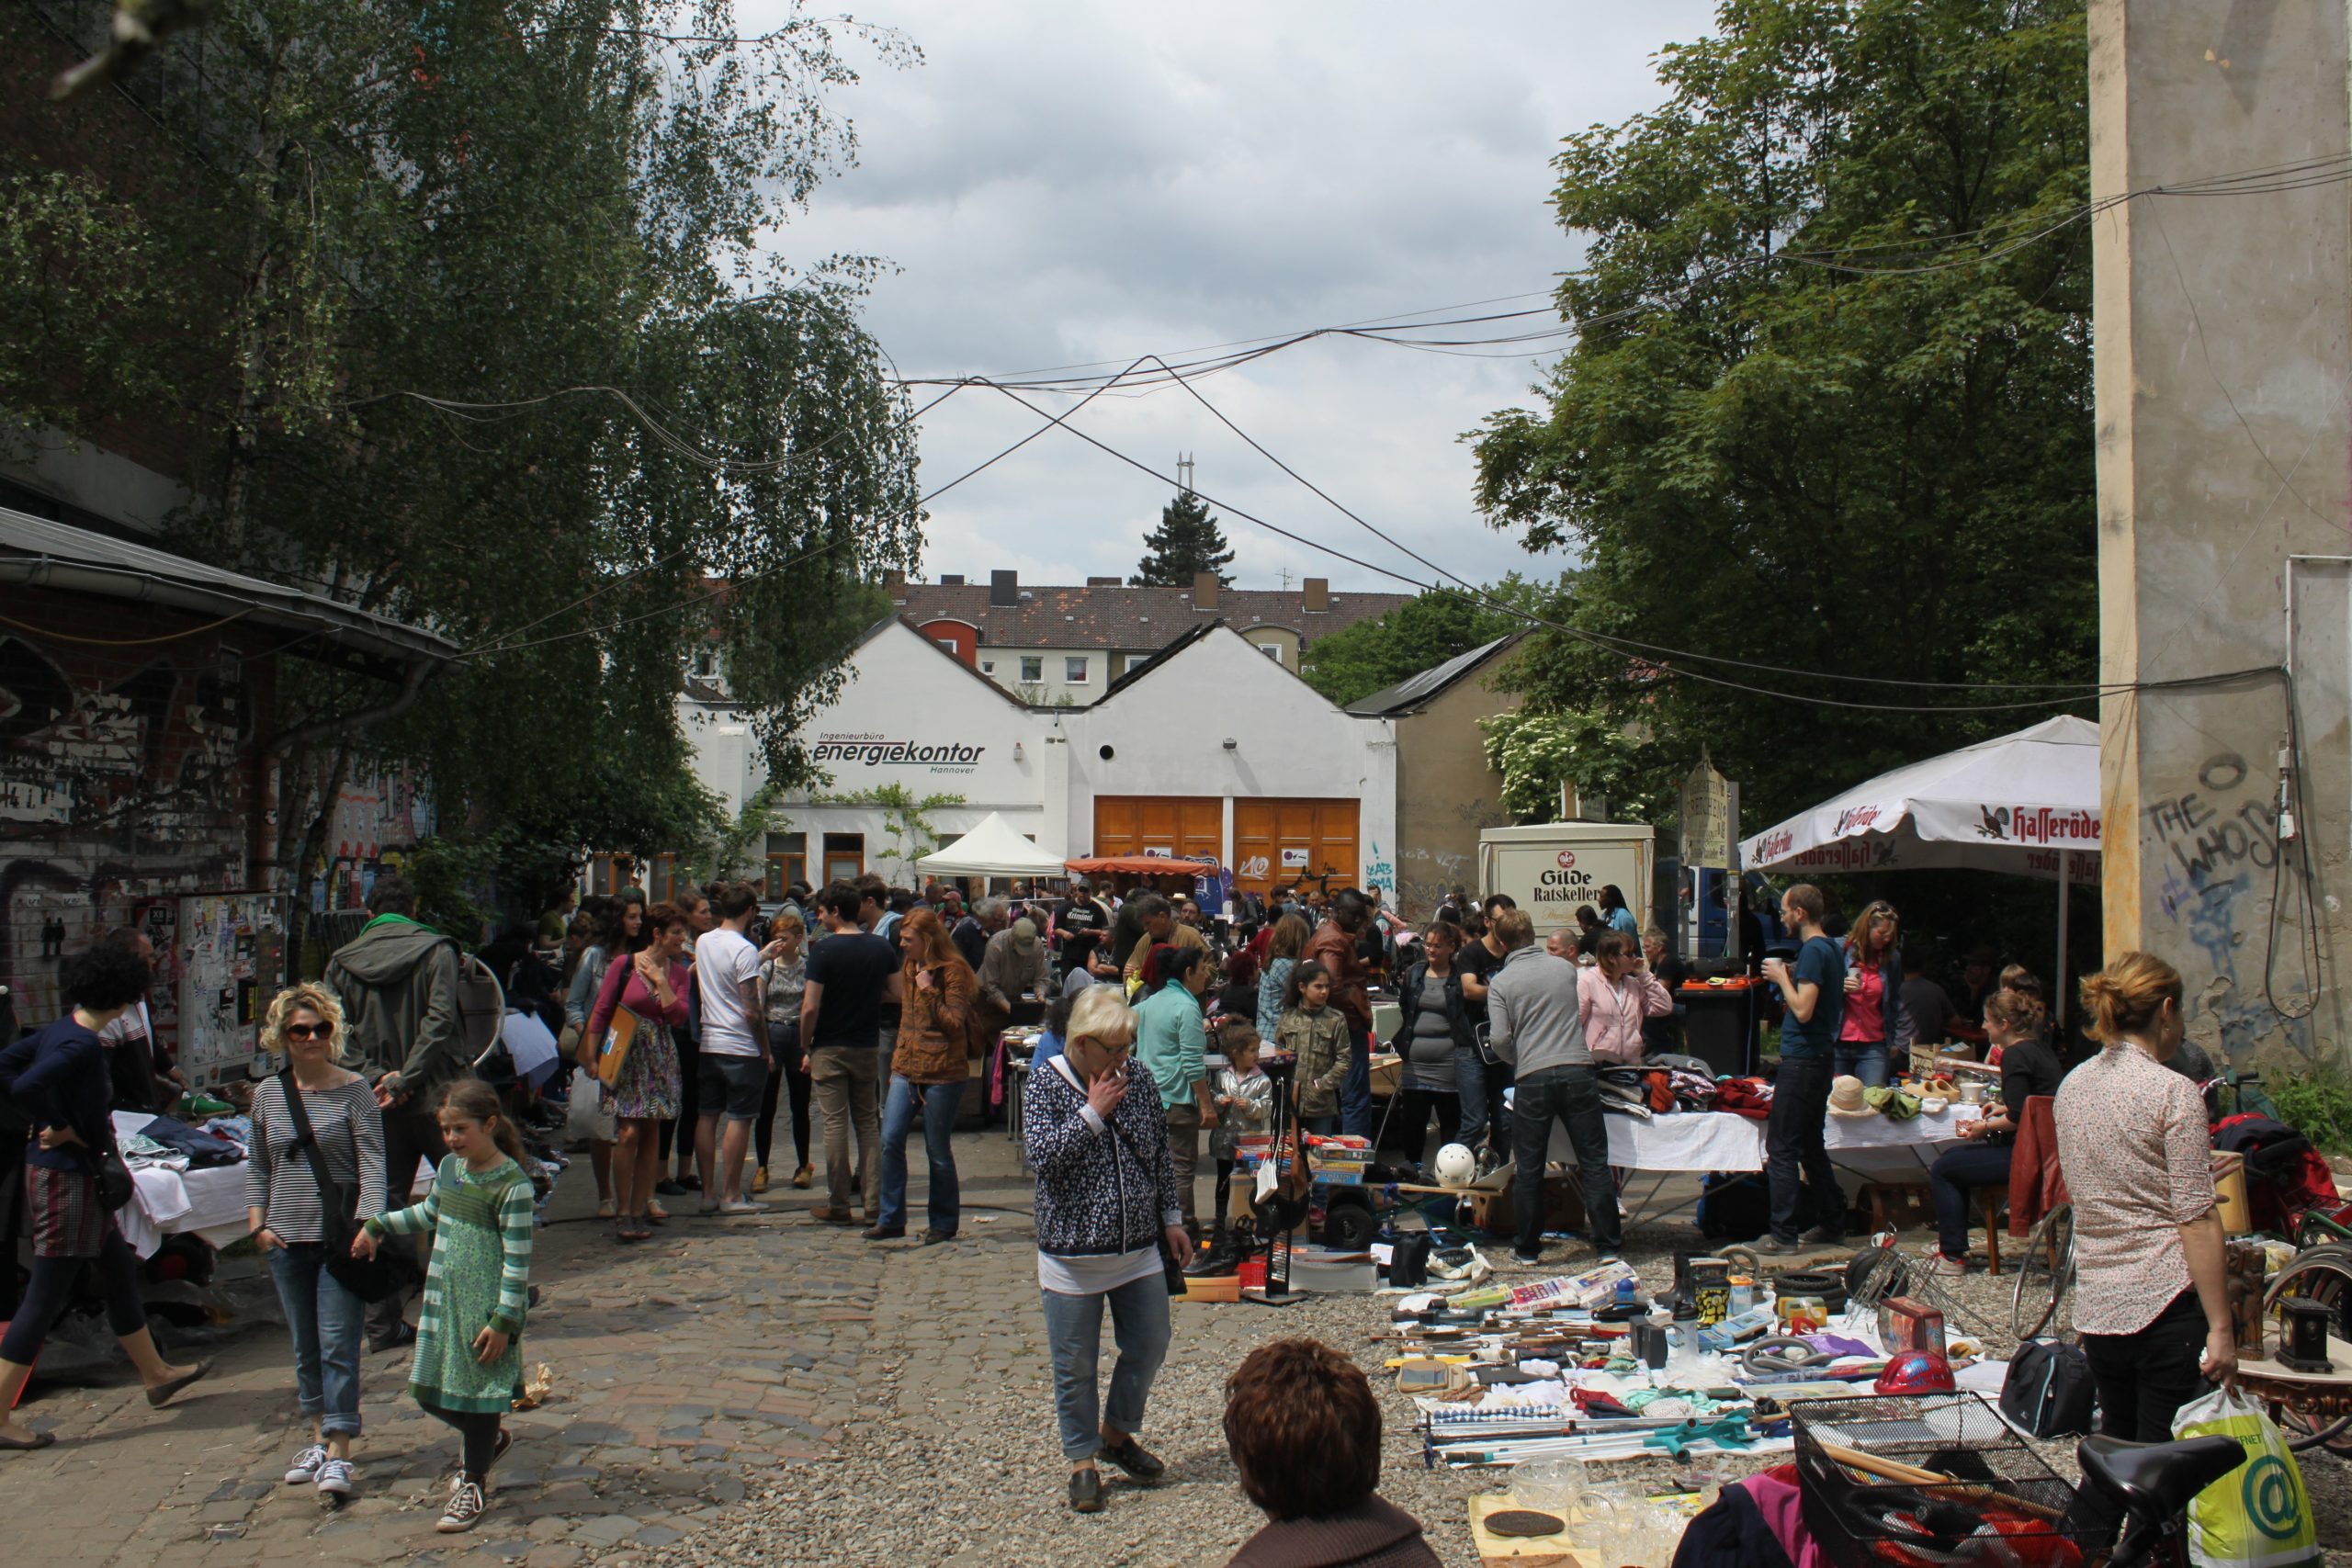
(2003, 1503)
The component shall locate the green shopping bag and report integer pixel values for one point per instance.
(2258, 1516)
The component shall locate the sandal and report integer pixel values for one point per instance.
(605, 1210)
(41, 1441)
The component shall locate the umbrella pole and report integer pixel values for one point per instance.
(2058, 995)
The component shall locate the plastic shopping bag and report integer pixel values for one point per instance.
(584, 1119)
(2258, 1516)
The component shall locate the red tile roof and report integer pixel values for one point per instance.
(1133, 619)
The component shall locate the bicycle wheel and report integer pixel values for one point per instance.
(2324, 1274)
(2045, 1273)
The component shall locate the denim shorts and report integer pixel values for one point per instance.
(732, 1086)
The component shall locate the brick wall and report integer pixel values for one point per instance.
(131, 773)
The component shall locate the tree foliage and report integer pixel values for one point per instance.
(1420, 634)
(1537, 750)
(560, 219)
(1870, 454)
(1188, 540)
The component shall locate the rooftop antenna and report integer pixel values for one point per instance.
(1184, 471)
(1285, 579)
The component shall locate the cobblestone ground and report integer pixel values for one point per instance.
(760, 1391)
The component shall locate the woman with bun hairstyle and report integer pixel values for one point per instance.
(2014, 1022)
(2150, 1299)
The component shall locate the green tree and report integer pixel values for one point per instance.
(1187, 541)
(1830, 409)
(483, 322)
(1420, 634)
(1536, 752)
(906, 821)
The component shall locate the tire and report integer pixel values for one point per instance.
(1350, 1227)
(2043, 1285)
(2322, 1274)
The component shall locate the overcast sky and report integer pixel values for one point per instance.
(1061, 182)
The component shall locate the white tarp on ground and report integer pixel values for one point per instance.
(2013, 804)
(992, 848)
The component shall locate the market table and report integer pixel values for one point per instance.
(209, 1202)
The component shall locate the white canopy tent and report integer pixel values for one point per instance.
(2027, 803)
(992, 848)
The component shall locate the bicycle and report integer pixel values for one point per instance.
(2322, 1274)
(2045, 1277)
(2152, 1485)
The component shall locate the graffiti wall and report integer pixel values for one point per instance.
(130, 775)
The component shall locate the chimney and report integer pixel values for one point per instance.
(1316, 594)
(1102, 582)
(894, 583)
(951, 580)
(1004, 588)
(1205, 591)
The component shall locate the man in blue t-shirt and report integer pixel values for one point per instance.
(1796, 1160)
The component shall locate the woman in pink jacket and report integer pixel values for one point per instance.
(1615, 995)
(653, 985)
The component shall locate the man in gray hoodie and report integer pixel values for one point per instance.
(1537, 1025)
(398, 983)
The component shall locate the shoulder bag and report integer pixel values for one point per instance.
(372, 1279)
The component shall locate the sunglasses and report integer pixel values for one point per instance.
(309, 1032)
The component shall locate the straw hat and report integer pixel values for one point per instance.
(1846, 1098)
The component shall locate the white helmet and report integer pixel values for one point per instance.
(1456, 1165)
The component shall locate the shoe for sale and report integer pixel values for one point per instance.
(334, 1478)
(1130, 1456)
(760, 1179)
(464, 1507)
(1937, 1263)
(742, 1206)
(1223, 1259)
(305, 1468)
(1086, 1491)
(803, 1176)
(1773, 1247)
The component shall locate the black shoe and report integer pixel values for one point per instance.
(1825, 1235)
(669, 1189)
(1222, 1259)
(1773, 1247)
(690, 1182)
(884, 1233)
(1086, 1491)
(1527, 1260)
(392, 1340)
(937, 1238)
(1130, 1456)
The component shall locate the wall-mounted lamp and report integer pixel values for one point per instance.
(1016, 751)
(1229, 744)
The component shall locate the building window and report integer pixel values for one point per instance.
(787, 862)
(988, 666)
(1074, 670)
(844, 856)
(1033, 667)
(1270, 650)
(949, 644)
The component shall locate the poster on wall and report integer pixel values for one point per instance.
(1160, 852)
(231, 958)
(1294, 858)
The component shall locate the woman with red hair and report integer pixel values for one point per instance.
(928, 1075)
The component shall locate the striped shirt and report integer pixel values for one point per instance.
(278, 1179)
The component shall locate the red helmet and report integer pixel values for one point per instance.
(1916, 1371)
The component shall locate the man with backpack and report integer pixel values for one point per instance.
(398, 983)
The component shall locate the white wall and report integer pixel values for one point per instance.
(1167, 731)
(1052, 688)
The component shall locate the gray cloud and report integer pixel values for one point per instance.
(1062, 182)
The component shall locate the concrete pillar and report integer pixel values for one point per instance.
(2224, 453)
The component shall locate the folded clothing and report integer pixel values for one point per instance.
(204, 1151)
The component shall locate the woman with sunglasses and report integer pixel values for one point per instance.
(329, 1324)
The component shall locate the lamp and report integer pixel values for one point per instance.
(1229, 743)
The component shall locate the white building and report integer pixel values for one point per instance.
(1208, 747)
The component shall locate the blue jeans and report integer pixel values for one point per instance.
(1572, 1096)
(1355, 1090)
(938, 1111)
(1864, 1060)
(329, 1324)
(1956, 1171)
(1074, 1338)
(1470, 1083)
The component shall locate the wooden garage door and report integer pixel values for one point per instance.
(1177, 824)
(1284, 840)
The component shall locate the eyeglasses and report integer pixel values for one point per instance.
(309, 1032)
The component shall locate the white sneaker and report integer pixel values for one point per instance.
(334, 1478)
(305, 1468)
(464, 1510)
(1938, 1265)
(742, 1206)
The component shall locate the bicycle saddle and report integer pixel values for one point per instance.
(2158, 1478)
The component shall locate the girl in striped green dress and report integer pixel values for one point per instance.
(468, 1363)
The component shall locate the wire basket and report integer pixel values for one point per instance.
(2002, 1503)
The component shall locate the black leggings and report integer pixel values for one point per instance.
(1408, 1132)
(689, 1103)
(480, 1430)
(787, 1057)
(52, 1284)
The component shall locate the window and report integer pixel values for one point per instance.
(787, 862)
(1273, 650)
(1033, 667)
(1074, 670)
(949, 644)
(844, 856)
(988, 666)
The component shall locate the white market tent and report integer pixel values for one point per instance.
(2027, 803)
(992, 848)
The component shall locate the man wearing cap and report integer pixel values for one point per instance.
(1796, 1158)
(1013, 964)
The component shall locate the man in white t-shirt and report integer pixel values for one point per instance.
(735, 1061)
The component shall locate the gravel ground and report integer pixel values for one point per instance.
(967, 1475)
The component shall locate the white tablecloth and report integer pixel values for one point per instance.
(209, 1202)
(1869, 1146)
